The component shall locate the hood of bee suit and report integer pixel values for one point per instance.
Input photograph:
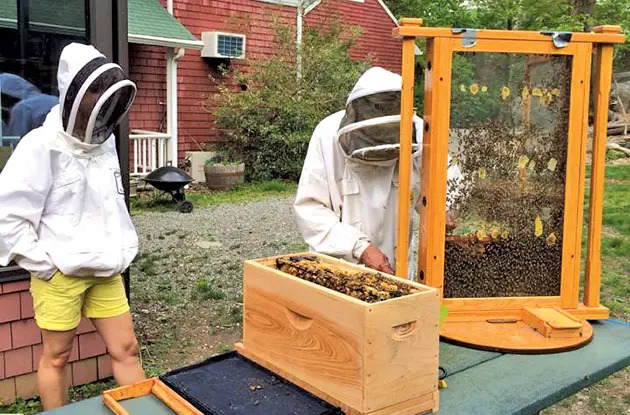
(94, 94)
(370, 128)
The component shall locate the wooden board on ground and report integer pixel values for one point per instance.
(368, 358)
(152, 386)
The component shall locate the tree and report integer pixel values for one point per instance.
(269, 125)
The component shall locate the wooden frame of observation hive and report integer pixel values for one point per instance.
(510, 108)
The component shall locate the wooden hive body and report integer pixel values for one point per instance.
(368, 358)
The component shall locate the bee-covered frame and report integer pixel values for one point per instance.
(441, 44)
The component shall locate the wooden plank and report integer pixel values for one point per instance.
(131, 391)
(584, 57)
(518, 35)
(603, 76)
(607, 29)
(591, 312)
(171, 399)
(516, 337)
(314, 333)
(435, 162)
(401, 350)
(113, 405)
(510, 46)
(582, 312)
(404, 159)
(499, 303)
(423, 404)
(410, 21)
(569, 286)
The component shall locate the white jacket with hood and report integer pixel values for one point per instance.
(345, 199)
(62, 199)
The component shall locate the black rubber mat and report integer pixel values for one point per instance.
(230, 384)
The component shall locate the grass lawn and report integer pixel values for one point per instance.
(609, 396)
(200, 197)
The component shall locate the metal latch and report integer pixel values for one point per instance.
(470, 36)
(560, 39)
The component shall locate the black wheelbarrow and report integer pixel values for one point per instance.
(172, 180)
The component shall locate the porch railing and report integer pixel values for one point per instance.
(150, 151)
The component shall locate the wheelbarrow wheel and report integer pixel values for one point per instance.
(186, 206)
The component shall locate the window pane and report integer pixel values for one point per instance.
(28, 62)
(508, 136)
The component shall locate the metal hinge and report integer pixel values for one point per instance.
(560, 39)
(470, 36)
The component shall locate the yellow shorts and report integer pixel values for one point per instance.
(60, 301)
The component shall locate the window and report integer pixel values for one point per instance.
(229, 45)
(33, 33)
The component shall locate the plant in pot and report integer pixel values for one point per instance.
(223, 173)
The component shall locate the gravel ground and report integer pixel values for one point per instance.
(186, 285)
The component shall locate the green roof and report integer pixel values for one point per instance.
(150, 23)
(67, 17)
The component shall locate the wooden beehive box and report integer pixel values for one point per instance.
(367, 358)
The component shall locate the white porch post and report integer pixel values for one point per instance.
(172, 56)
(171, 105)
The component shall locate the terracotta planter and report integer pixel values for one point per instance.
(222, 177)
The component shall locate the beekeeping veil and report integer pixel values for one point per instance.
(370, 129)
(94, 93)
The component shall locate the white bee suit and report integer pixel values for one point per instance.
(62, 202)
(347, 196)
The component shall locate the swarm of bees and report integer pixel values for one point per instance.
(513, 181)
(366, 286)
(501, 267)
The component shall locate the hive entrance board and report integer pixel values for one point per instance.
(552, 322)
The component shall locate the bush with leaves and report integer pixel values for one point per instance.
(268, 125)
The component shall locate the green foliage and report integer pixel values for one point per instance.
(268, 126)
(221, 158)
(612, 155)
(562, 15)
(206, 291)
(249, 192)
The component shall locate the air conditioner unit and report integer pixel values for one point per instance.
(223, 45)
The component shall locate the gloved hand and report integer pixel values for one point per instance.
(375, 259)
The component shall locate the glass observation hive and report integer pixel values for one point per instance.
(511, 109)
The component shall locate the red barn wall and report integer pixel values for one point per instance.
(198, 78)
(376, 26)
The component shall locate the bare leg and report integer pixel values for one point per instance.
(117, 332)
(51, 374)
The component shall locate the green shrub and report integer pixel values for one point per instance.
(268, 125)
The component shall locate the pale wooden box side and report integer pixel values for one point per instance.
(401, 349)
(366, 355)
(312, 334)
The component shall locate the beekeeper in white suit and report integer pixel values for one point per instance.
(63, 217)
(347, 199)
